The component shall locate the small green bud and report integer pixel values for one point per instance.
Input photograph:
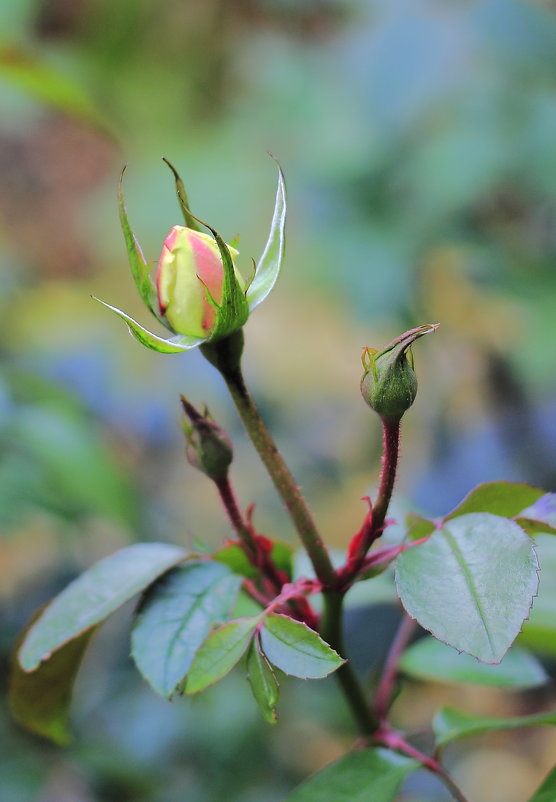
(209, 449)
(389, 384)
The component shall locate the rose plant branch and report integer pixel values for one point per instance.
(272, 459)
(452, 574)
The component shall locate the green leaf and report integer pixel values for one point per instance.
(540, 517)
(235, 558)
(450, 724)
(173, 345)
(140, 269)
(471, 584)
(418, 527)
(40, 700)
(268, 266)
(174, 618)
(296, 649)
(506, 499)
(539, 631)
(262, 680)
(432, 660)
(91, 597)
(372, 775)
(547, 791)
(220, 652)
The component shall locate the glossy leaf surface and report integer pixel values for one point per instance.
(95, 594)
(296, 649)
(40, 700)
(175, 617)
(219, 653)
(539, 631)
(450, 724)
(471, 584)
(372, 775)
(430, 659)
(506, 499)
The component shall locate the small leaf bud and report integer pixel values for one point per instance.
(389, 384)
(209, 449)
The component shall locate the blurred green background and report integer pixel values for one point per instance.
(418, 141)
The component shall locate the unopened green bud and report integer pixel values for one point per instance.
(389, 384)
(209, 449)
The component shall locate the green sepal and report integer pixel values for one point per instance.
(190, 220)
(389, 383)
(173, 345)
(233, 311)
(140, 269)
(269, 265)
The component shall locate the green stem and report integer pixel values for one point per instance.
(331, 631)
(224, 355)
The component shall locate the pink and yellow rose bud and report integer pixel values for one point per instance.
(199, 295)
(189, 281)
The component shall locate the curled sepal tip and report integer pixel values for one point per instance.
(389, 383)
(172, 345)
(190, 220)
(269, 265)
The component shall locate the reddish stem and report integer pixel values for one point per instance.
(373, 525)
(384, 692)
(391, 449)
(395, 741)
(258, 548)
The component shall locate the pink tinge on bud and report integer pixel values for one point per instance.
(211, 274)
(188, 276)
